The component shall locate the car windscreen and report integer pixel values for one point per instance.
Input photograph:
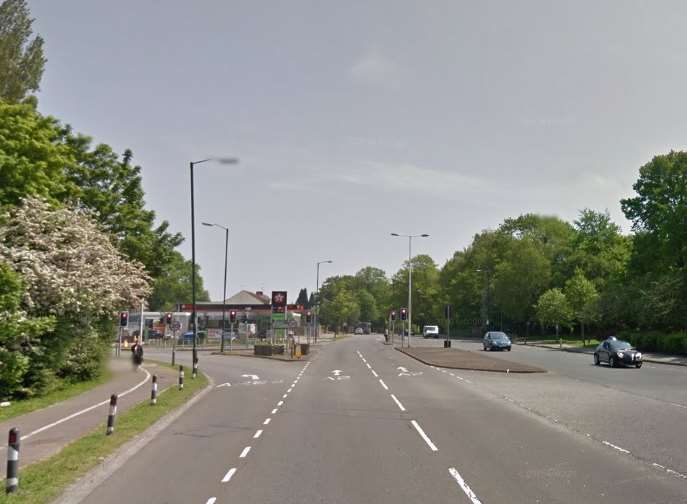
(620, 345)
(499, 337)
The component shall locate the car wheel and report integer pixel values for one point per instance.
(509, 349)
(639, 364)
(596, 360)
(484, 348)
(611, 361)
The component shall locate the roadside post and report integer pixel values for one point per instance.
(181, 377)
(447, 313)
(12, 481)
(112, 414)
(176, 325)
(153, 392)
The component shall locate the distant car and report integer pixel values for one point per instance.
(430, 331)
(155, 334)
(358, 330)
(496, 340)
(616, 353)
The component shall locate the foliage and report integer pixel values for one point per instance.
(21, 58)
(303, 298)
(553, 308)
(173, 284)
(426, 299)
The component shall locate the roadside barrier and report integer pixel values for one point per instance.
(12, 482)
(181, 377)
(112, 414)
(153, 392)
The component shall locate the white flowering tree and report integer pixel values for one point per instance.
(69, 266)
(71, 281)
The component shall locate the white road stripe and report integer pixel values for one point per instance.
(86, 410)
(258, 433)
(461, 482)
(267, 421)
(280, 403)
(374, 373)
(274, 411)
(289, 391)
(368, 365)
(211, 500)
(229, 474)
(244, 452)
(285, 396)
(398, 403)
(424, 436)
(383, 384)
(616, 447)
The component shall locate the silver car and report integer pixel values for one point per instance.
(496, 340)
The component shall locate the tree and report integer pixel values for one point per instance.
(32, 156)
(583, 299)
(343, 308)
(368, 306)
(553, 309)
(173, 285)
(426, 307)
(303, 298)
(21, 58)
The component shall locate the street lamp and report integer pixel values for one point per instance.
(193, 255)
(317, 298)
(224, 295)
(410, 279)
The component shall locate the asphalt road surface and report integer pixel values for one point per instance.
(363, 423)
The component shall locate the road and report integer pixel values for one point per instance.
(364, 423)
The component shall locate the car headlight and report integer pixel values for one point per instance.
(620, 354)
(638, 355)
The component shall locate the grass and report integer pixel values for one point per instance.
(574, 342)
(44, 481)
(65, 391)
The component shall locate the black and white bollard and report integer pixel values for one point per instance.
(181, 377)
(194, 373)
(153, 392)
(12, 482)
(112, 414)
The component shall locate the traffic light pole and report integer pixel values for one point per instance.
(193, 270)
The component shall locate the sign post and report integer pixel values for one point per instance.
(447, 313)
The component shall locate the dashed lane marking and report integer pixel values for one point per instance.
(267, 421)
(398, 403)
(258, 433)
(244, 452)
(424, 436)
(383, 384)
(464, 486)
(229, 475)
(616, 447)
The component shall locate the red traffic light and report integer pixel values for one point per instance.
(308, 317)
(393, 315)
(404, 314)
(168, 318)
(123, 318)
(232, 316)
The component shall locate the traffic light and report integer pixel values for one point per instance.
(404, 314)
(232, 316)
(123, 319)
(168, 318)
(393, 315)
(308, 317)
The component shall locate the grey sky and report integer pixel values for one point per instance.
(355, 119)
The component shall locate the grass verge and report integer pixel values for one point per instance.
(64, 392)
(44, 481)
(593, 343)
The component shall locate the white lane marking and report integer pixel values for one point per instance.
(424, 436)
(86, 410)
(675, 473)
(374, 373)
(258, 433)
(368, 365)
(337, 372)
(274, 411)
(461, 482)
(402, 369)
(616, 447)
(267, 420)
(678, 405)
(244, 452)
(460, 378)
(467, 381)
(289, 391)
(229, 474)
(658, 465)
(253, 377)
(211, 500)
(280, 403)
(285, 396)
(398, 403)
(227, 384)
(383, 384)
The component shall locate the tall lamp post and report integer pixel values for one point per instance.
(410, 279)
(193, 255)
(224, 294)
(317, 298)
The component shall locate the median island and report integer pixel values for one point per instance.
(462, 359)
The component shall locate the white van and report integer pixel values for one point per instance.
(430, 331)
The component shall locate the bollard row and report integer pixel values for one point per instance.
(12, 481)
(112, 414)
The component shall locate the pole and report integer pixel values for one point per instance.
(410, 287)
(174, 345)
(12, 480)
(224, 295)
(111, 415)
(119, 344)
(317, 308)
(140, 325)
(193, 271)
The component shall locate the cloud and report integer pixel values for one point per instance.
(375, 69)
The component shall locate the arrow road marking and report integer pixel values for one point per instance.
(253, 377)
(337, 372)
(402, 369)
(224, 385)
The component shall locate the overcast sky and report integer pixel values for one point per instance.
(360, 118)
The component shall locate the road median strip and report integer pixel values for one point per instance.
(46, 480)
(453, 358)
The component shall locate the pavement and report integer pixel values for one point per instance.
(360, 422)
(46, 431)
(454, 358)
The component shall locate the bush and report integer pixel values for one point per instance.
(655, 341)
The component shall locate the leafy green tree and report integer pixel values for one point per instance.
(368, 306)
(32, 156)
(427, 302)
(521, 277)
(339, 310)
(583, 299)
(21, 57)
(553, 309)
(173, 285)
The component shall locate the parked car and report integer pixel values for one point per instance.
(496, 340)
(617, 353)
(155, 334)
(430, 331)
(358, 330)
